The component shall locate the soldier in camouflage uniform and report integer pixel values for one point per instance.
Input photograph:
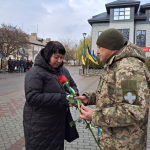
(122, 96)
(4, 64)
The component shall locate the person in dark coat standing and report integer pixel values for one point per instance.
(21, 65)
(10, 65)
(18, 65)
(14, 65)
(25, 65)
(29, 64)
(46, 114)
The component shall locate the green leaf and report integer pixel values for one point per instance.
(79, 101)
(71, 103)
(67, 87)
(71, 100)
(72, 123)
(79, 120)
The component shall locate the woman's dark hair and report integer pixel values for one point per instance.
(51, 48)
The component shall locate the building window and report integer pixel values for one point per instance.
(125, 33)
(14, 56)
(141, 38)
(121, 13)
(99, 33)
(32, 57)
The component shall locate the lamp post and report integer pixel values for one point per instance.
(84, 34)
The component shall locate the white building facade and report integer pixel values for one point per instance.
(127, 16)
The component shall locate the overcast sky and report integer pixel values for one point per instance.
(53, 19)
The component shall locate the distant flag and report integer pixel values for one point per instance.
(89, 56)
(83, 62)
(94, 56)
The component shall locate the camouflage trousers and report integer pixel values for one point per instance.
(4, 68)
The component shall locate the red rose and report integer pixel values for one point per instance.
(62, 79)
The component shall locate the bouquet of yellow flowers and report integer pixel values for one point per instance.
(76, 102)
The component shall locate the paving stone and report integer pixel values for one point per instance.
(17, 138)
(7, 145)
(2, 145)
(78, 146)
(83, 149)
(13, 141)
(84, 143)
(11, 127)
(70, 148)
(2, 148)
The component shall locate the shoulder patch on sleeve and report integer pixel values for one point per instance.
(129, 92)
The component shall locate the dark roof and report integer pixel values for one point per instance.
(144, 7)
(100, 18)
(33, 41)
(140, 16)
(122, 3)
(39, 39)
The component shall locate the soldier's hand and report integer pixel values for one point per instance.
(83, 99)
(86, 113)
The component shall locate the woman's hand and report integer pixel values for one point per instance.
(70, 105)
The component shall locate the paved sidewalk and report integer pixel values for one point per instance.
(11, 109)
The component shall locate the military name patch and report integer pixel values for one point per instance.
(130, 97)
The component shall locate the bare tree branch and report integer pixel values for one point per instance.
(12, 39)
(70, 47)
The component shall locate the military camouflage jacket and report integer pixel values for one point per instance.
(5, 62)
(122, 101)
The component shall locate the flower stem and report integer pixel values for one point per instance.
(88, 127)
(93, 135)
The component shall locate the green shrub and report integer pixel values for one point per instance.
(94, 66)
(147, 62)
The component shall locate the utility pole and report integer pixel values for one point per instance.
(37, 29)
(84, 34)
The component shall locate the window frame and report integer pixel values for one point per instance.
(122, 13)
(126, 38)
(149, 15)
(144, 40)
(99, 33)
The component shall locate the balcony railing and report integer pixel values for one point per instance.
(34, 51)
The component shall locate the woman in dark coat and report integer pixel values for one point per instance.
(46, 113)
(29, 64)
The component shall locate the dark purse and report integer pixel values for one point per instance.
(71, 133)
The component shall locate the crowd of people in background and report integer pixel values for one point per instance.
(16, 65)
